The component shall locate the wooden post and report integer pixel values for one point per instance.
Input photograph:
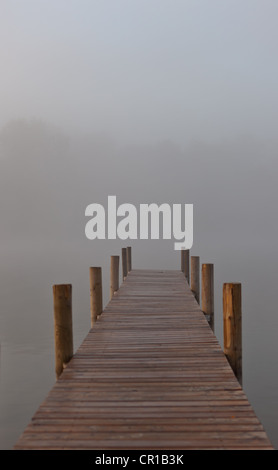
(195, 277)
(62, 298)
(114, 275)
(182, 260)
(95, 294)
(232, 327)
(129, 261)
(124, 262)
(186, 265)
(208, 293)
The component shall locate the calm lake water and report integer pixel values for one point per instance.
(27, 349)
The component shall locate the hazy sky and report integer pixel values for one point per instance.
(142, 69)
(157, 100)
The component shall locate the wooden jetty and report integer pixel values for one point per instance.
(149, 375)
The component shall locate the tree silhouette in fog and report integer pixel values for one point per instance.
(30, 150)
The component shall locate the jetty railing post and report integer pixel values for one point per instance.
(129, 259)
(233, 327)
(124, 262)
(114, 275)
(62, 300)
(95, 293)
(208, 293)
(195, 277)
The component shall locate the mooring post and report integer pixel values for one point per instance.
(182, 260)
(186, 265)
(62, 300)
(114, 275)
(232, 327)
(195, 277)
(95, 293)
(129, 260)
(124, 262)
(208, 293)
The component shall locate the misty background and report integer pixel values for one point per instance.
(152, 101)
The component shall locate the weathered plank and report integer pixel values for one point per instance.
(149, 375)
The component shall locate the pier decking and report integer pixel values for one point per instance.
(149, 375)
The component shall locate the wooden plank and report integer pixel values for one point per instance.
(149, 375)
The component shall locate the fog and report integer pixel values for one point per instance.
(151, 101)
